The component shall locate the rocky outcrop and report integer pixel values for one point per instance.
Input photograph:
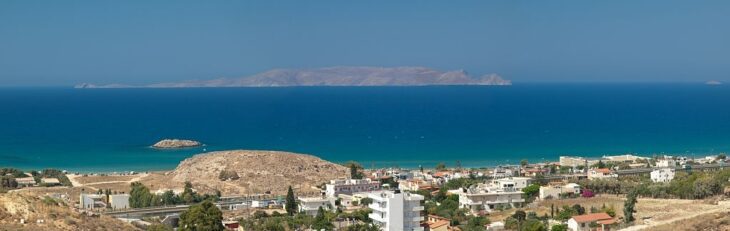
(255, 171)
(176, 143)
(337, 76)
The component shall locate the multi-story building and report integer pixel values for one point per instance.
(485, 197)
(92, 201)
(396, 210)
(350, 186)
(662, 175)
(666, 163)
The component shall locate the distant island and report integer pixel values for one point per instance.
(176, 143)
(334, 76)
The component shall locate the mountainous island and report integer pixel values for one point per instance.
(334, 76)
(176, 143)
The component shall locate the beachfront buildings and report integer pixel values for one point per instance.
(486, 197)
(666, 163)
(623, 158)
(396, 210)
(583, 222)
(119, 201)
(310, 205)
(662, 175)
(555, 191)
(350, 186)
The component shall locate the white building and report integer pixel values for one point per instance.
(583, 222)
(518, 183)
(662, 175)
(623, 158)
(119, 201)
(396, 211)
(350, 186)
(488, 197)
(666, 163)
(554, 191)
(259, 204)
(92, 201)
(310, 205)
(597, 173)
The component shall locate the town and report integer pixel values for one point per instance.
(562, 195)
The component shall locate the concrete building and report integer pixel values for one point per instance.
(623, 158)
(597, 173)
(666, 163)
(310, 205)
(25, 181)
(119, 201)
(583, 222)
(554, 191)
(575, 161)
(488, 197)
(396, 210)
(517, 183)
(92, 201)
(662, 175)
(350, 186)
(50, 181)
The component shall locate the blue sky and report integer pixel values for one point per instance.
(53, 43)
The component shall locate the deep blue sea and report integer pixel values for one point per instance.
(112, 129)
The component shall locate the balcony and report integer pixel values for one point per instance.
(417, 219)
(417, 208)
(377, 217)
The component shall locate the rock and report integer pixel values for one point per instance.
(176, 143)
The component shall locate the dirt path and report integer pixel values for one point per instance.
(76, 183)
(722, 206)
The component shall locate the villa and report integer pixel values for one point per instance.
(584, 222)
(350, 186)
(554, 191)
(485, 197)
(662, 175)
(311, 205)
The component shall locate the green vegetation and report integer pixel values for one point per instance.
(366, 201)
(629, 207)
(291, 202)
(362, 227)
(531, 192)
(693, 185)
(202, 217)
(526, 222)
(355, 169)
(140, 196)
(560, 227)
(321, 222)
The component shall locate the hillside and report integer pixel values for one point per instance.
(249, 172)
(336, 76)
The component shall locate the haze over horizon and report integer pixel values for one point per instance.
(50, 43)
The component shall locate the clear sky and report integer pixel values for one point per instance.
(52, 43)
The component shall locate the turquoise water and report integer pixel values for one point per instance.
(111, 129)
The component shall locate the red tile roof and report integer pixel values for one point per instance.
(592, 217)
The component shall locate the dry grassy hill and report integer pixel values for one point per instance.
(256, 172)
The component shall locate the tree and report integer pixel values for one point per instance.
(560, 227)
(355, 169)
(321, 222)
(519, 215)
(139, 196)
(580, 210)
(629, 209)
(158, 227)
(366, 201)
(291, 202)
(362, 227)
(202, 217)
(441, 166)
(531, 192)
(523, 163)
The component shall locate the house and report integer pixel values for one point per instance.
(501, 172)
(554, 191)
(50, 181)
(597, 173)
(396, 210)
(437, 223)
(119, 201)
(311, 205)
(416, 184)
(259, 204)
(350, 186)
(662, 175)
(92, 201)
(25, 181)
(486, 197)
(584, 222)
(518, 183)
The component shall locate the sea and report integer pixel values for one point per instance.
(106, 130)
